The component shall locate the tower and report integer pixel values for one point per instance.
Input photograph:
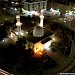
(38, 30)
(41, 18)
(18, 24)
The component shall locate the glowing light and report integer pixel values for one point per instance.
(12, 2)
(31, 13)
(47, 45)
(70, 13)
(16, 33)
(3, 40)
(39, 52)
(66, 11)
(54, 12)
(15, 9)
(37, 14)
(51, 9)
(38, 48)
(21, 33)
(65, 21)
(18, 24)
(53, 39)
(17, 16)
(16, 3)
(26, 32)
(41, 16)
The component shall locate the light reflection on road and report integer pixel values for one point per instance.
(6, 41)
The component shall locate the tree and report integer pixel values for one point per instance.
(3, 32)
(21, 42)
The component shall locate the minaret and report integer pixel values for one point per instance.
(18, 24)
(41, 18)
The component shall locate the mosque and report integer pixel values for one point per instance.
(58, 48)
(44, 45)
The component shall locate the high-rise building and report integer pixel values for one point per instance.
(31, 5)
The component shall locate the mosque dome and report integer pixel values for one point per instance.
(38, 31)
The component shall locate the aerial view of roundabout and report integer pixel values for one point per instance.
(37, 45)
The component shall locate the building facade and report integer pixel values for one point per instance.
(34, 5)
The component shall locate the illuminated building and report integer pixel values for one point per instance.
(38, 47)
(34, 5)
